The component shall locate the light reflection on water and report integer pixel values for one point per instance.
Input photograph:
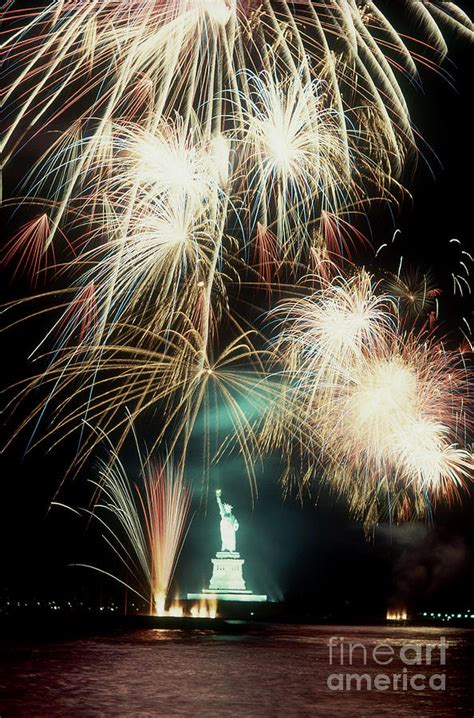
(268, 671)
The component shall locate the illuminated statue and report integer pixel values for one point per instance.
(227, 581)
(229, 524)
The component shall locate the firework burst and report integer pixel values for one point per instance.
(386, 412)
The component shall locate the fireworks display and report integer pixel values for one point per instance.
(193, 148)
(145, 526)
(306, 98)
(386, 410)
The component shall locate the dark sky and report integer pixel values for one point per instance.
(313, 554)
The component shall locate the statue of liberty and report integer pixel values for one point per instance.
(229, 524)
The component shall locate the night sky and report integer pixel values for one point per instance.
(310, 553)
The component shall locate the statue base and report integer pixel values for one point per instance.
(239, 596)
(227, 572)
(227, 581)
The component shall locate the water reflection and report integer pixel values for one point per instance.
(269, 670)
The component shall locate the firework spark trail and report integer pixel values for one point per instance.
(152, 523)
(418, 291)
(165, 506)
(145, 373)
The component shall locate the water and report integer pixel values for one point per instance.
(267, 671)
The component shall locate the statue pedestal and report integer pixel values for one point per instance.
(227, 572)
(227, 581)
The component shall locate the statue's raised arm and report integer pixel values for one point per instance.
(219, 503)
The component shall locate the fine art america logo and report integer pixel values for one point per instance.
(384, 667)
